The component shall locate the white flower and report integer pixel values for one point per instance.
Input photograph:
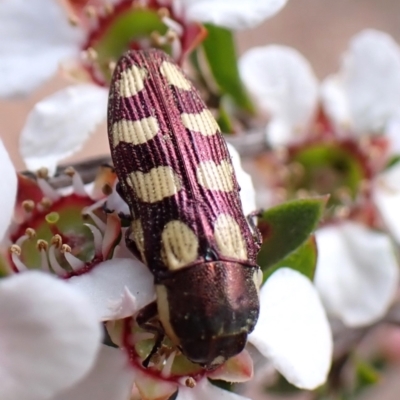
(285, 87)
(233, 14)
(36, 38)
(42, 354)
(293, 331)
(357, 273)
(363, 99)
(365, 95)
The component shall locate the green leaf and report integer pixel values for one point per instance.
(286, 227)
(303, 259)
(366, 376)
(220, 52)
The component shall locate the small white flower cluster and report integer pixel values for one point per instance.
(50, 329)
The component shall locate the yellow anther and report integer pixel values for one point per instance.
(28, 205)
(163, 12)
(70, 171)
(30, 232)
(91, 54)
(46, 203)
(15, 249)
(156, 38)
(65, 249)
(171, 36)
(190, 382)
(56, 241)
(42, 173)
(42, 245)
(90, 11)
(108, 8)
(73, 20)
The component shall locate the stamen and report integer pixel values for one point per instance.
(171, 36)
(108, 8)
(45, 203)
(28, 206)
(77, 183)
(42, 173)
(166, 371)
(48, 190)
(90, 54)
(73, 20)
(172, 24)
(15, 252)
(157, 39)
(75, 262)
(20, 241)
(56, 241)
(90, 12)
(176, 49)
(113, 229)
(100, 224)
(42, 246)
(190, 382)
(97, 238)
(54, 264)
(163, 12)
(30, 232)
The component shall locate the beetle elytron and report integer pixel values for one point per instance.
(187, 224)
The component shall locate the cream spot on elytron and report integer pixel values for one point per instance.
(215, 177)
(131, 81)
(155, 185)
(135, 132)
(174, 76)
(179, 245)
(136, 234)
(229, 237)
(202, 122)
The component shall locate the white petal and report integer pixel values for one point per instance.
(292, 330)
(34, 37)
(107, 284)
(9, 183)
(392, 133)
(357, 272)
(247, 192)
(387, 198)
(233, 14)
(204, 390)
(370, 77)
(60, 124)
(285, 86)
(49, 336)
(335, 104)
(110, 378)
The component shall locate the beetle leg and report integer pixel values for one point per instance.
(147, 319)
(251, 219)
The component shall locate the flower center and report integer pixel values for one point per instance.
(128, 24)
(61, 234)
(168, 363)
